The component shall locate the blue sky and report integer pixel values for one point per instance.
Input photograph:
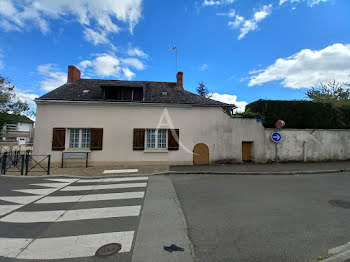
(243, 50)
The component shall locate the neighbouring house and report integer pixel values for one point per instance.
(128, 123)
(18, 130)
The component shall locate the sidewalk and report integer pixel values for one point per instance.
(265, 169)
(224, 169)
(98, 171)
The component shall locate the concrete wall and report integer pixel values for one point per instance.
(309, 145)
(209, 125)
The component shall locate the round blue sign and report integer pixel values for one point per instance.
(276, 137)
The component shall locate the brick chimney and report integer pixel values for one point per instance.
(73, 74)
(179, 80)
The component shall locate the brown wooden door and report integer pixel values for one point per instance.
(201, 154)
(246, 151)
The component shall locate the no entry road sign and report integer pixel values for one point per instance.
(276, 137)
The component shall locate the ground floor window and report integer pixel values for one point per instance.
(156, 138)
(79, 138)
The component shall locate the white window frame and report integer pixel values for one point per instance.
(156, 139)
(11, 127)
(80, 138)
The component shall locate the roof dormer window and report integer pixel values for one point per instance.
(123, 93)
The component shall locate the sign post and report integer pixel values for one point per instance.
(276, 137)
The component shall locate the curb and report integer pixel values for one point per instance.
(309, 172)
(274, 173)
(73, 176)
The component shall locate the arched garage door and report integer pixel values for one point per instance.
(201, 154)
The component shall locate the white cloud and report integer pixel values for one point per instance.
(96, 37)
(102, 15)
(247, 25)
(203, 67)
(106, 65)
(133, 62)
(51, 78)
(308, 68)
(263, 13)
(309, 2)
(229, 99)
(128, 74)
(211, 2)
(25, 97)
(217, 2)
(231, 13)
(102, 65)
(137, 52)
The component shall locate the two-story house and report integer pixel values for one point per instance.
(126, 123)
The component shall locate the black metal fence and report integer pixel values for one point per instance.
(12, 149)
(24, 164)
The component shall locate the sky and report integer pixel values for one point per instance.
(243, 50)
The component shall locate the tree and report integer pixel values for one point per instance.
(335, 93)
(202, 90)
(9, 103)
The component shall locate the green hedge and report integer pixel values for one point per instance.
(301, 114)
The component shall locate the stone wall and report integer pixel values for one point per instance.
(309, 145)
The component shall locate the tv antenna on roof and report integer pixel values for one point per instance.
(174, 48)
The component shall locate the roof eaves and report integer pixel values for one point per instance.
(125, 102)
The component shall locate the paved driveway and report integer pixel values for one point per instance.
(264, 218)
(68, 219)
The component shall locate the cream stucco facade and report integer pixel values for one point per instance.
(197, 124)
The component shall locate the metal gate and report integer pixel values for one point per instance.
(24, 164)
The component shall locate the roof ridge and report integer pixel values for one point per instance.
(119, 80)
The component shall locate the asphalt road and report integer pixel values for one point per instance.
(264, 218)
(68, 219)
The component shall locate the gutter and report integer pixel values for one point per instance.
(39, 101)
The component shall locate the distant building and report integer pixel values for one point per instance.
(18, 130)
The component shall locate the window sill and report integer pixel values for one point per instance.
(156, 151)
(78, 150)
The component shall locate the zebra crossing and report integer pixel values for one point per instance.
(61, 218)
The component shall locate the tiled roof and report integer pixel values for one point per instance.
(155, 92)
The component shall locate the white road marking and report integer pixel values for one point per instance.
(55, 185)
(339, 249)
(119, 179)
(120, 171)
(42, 191)
(33, 216)
(99, 187)
(20, 199)
(63, 247)
(24, 200)
(71, 215)
(4, 209)
(338, 257)
(98, 213)
(64, 180)
(92, 197)
(10, 247)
